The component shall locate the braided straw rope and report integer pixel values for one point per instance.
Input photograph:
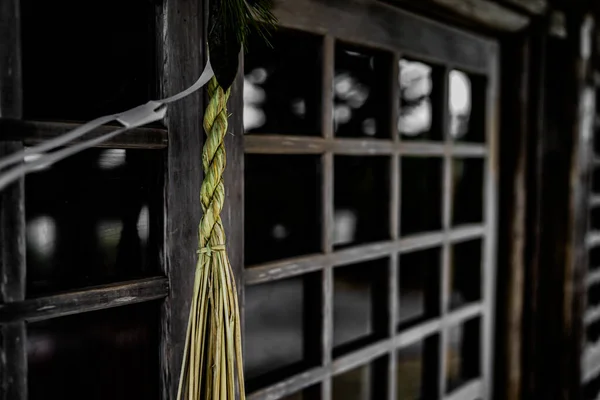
(212, 362)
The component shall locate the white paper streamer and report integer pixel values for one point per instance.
(152, 111)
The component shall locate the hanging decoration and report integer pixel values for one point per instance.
(212, 367)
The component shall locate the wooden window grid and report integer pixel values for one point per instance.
(179, 138)
(333, 23)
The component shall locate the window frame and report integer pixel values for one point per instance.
(389, 28)
(180, 61)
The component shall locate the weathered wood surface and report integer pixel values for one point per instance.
(384, 26)
(181, 59)
(35, 132)
(85, 300)
(484, 13)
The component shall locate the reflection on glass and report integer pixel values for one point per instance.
(359, 301)
(459, 103)
(282, 84)
(467, 191)
(360, 108)
(109, 354)
(282, 325)
(465, 273)
(95, 84)
(92, 219)
(274, 325)
(282, 207)
(466, 107)
(463, 354)
(416, 374)
(421, 194)
(419, 283)
(361, 199)
(416, 109)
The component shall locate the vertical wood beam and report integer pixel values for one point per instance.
(181, 60)
(13, 355)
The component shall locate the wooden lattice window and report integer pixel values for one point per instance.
(370, 203)
(97, 251)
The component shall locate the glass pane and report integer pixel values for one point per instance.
(467, 191)
(361, 92)
(591, 390)
(595, 219)
(282, 328)
(466, 104)
(311, 393)
(416, 372)
(463, 354)
(596, 179)
(109, 354)
(419, 111)
(282, 84)
(359, 303)
(594, 259)
(367, 382)
(93, 218)
(465, 273)
(419, 286)
(593, 296)
(75, 68)
(592, 335)
(361, 200)
(282, 207)
(420, 194)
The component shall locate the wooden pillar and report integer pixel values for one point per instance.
(13, 356)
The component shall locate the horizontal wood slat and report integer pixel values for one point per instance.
(470, 391)
(369, 353)
(301, 265)
(84, 300)
(34, 132)
(282, 144)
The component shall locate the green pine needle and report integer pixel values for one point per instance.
(246, 17)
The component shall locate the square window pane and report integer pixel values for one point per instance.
(282, 84)
(596, 178)
(367, 382)
(420, 194)
(282, 207)
(467, 190)
(592, 336)
(417, 370)
(282, 329)
(359, 304)
(594, 219)
(594, 259)
(108, 354)
(311, 393)
(466, 103)
(420, 94)
(75, 68)
(361, 92)
(361, 200)
(465, 273)
(463, 352)
(419, 286)
(591, 389)
(94, 218)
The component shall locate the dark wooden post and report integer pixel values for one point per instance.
(13, 356)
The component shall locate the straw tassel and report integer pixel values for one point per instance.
(212, 366)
